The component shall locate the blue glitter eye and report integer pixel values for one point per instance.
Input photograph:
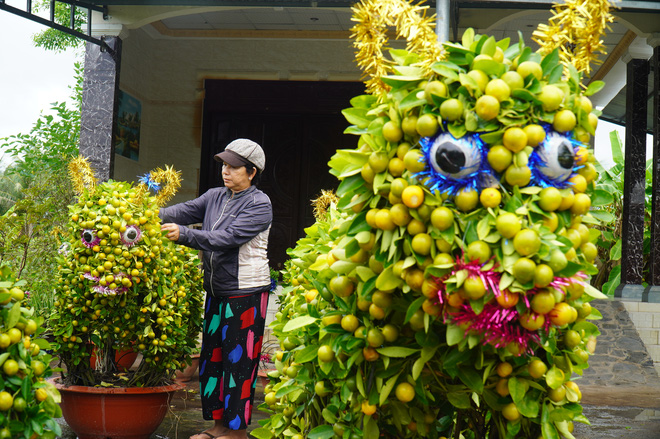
(553, 161)
(454, 158)
(453, 164)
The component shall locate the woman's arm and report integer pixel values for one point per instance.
(252, 220)
(189, 212)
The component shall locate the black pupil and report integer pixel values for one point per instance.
(450, 158)
(565, 156)
(88, 236)
(131, 234)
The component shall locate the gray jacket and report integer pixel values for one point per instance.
(234, 238)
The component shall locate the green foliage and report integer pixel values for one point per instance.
(611, 214)
(53, 39)
(11, 190)
(27, 241)
(24, 363)
(35, 192)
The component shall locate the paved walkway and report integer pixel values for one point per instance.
(621, 389)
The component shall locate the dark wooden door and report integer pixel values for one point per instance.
(299, 125)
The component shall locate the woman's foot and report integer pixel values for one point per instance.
(235, 434)
(212, 433)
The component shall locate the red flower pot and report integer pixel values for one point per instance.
(115, 412)
(124, 359)
(185, 375)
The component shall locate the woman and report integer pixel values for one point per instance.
(235, 221)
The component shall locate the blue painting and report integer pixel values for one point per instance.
(127, 129)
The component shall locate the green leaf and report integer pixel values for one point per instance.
(489, 67)
(614, 279)
(518, 388)
(371, 430)
(321, 432)
(397, 82)
(471, 378)
(357, 117)
(387, 389)
(363, 101)
(307, 354)
(387, 280)
(615, 251)
(594, 88)
(3, 357)
(411, 101)
(457, 130)
(13, 316)
(288, 387)
(459, 400)
(454, 335)
(299, 322)
(396, 351)
(525, 95)
(488, 47)
(593, 292)
(601, 198)
(550, 61)
(262, 433)
(468, 37)
(409, 71)
(554, 377)
(446, 69)
(603, 216)
(414, 307)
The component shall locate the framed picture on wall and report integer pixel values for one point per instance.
(127, 129)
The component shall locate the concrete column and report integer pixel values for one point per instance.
(634, 184)
(99, 106)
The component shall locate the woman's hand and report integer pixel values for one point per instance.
(172, 231)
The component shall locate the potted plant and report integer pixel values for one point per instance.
(122, 287)
(28, 403)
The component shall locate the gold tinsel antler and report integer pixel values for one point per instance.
(576, 28)
(82, 175)
(165, 182)
(322, 204)
(370, 33)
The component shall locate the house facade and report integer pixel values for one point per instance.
(171, 82)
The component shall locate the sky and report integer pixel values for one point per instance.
(30, 78)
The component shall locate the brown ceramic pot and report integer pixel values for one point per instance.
(115, 412)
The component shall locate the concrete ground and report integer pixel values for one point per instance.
(622, 412)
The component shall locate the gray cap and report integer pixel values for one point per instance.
(242, 152)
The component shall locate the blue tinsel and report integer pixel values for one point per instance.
(152, 185)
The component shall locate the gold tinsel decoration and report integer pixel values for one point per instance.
(168, 180)
(576, 28)
(323, 203)
(370, 33)
(82, 175)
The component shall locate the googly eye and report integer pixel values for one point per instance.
(64, 249)
(89, 238)
(452, 164)
(553, 161)
(131, 235)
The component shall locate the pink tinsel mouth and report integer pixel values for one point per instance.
(496, 325)
(106, 291)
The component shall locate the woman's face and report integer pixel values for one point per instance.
(237, 178)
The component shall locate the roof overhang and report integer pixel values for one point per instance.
(623, 5)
